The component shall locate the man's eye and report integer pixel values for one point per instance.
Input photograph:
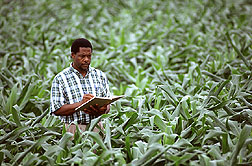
(83, 56)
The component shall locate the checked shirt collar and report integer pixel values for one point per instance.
(77, 72)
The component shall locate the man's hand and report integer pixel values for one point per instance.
(96, 110)
(87, 97)
(69, 109)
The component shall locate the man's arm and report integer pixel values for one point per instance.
(69, 109)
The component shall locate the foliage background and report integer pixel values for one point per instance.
(184, 66)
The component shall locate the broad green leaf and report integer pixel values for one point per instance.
(7, 80)
(218, 123)
(53, 151)
(153, 159)
(238, 52)
(65, 139)
(179, 126)
(26, 93)
(127, 124)
(188, 89)
(204, 160)
(36, 144)
(169, 91)
(245, 133)
(13, 134)
(225, 144)
(38, 119)
(128, 148)
(1, 157)
(154, 139)
(11, 100)
(176, 112)
(16, 115)
(160, 123)
(108, 134)
(97, 139)
(30, 159)
(149, 154)
(94, 122)
(212, 134)
(215, 153)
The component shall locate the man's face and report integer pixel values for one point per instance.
(82, 59)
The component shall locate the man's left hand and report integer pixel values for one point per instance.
(96, 110)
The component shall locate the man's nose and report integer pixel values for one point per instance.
(85, 59)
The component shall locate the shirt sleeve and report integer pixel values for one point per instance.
(57, 98)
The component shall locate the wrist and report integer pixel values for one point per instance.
(77, 105)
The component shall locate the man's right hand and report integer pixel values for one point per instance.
(93, 110)
(69, 109)
(89, 111)
(87, 97)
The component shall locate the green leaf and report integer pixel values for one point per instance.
(36, 144)
(108, 134)
(245, 133)
(7, 80)
(225, 145)
(179, 127)
(212, 134)
(53, 151)
(130, 121)
(13, 134)
(1, 157)
(94, 122)
(218, 123)
(153, 159)
(11, 101)
(176, 112)
(38, 119)
(16, 115)
(127, 145)
(169, 91)
(154, 139)
(96, 137)
(65, 139)
(26, 92)
(238, 52)
(149, 154)
(160, 123)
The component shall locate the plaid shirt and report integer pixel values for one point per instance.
(69, 86)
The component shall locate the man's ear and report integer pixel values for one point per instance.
(72, 54)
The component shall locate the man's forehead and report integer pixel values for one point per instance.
(85, 49)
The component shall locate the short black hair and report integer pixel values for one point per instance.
(80, 42)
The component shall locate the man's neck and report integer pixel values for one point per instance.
(82, 72)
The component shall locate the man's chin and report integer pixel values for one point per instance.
(85, 68)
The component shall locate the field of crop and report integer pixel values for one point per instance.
(184, 66)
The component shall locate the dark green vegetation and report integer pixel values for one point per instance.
(184, 66)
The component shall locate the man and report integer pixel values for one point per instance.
(77, 84)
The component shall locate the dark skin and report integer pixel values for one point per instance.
(81, 62)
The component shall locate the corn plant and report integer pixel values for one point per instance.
(183, 66)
